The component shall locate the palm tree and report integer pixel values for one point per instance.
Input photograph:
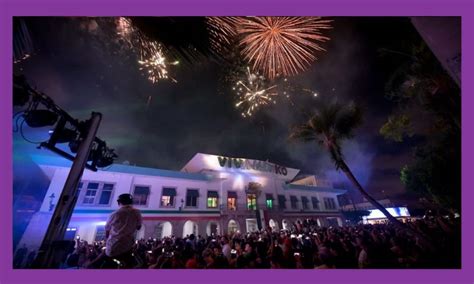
(329, 126)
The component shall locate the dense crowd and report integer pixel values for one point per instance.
(306, 245)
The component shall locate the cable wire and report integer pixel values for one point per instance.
(23, 135)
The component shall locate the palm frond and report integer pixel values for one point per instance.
(330, 123)
(302, 132)
(348, 119)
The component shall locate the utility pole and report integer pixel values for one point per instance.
(47, 254)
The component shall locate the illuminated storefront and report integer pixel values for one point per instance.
(209, 195)
(376, 216)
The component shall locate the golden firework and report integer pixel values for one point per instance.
(154, 63)
(281, 46)
(274, 46)
(222, 31)
(253, 93)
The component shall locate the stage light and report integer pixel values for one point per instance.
(105, 158)
(40, 118)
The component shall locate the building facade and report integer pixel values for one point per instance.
(210, 195)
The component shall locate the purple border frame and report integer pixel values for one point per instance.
(9, 8)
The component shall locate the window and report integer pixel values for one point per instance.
(269, 200)
(106, 194)
(294, 202)
(79, 187)
(315, 202)
(91, 193)
(70, 233)
(95, 193)
(251, 201)
(192, 197)
(167, 198)
(282, 202)
(329, 203)
(269, 203)
(212, 197)
(232, 200)
(140, 195)
(100, 233)
(304, 202)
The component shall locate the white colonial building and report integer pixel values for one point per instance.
(211, 194)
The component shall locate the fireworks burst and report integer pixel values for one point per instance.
(125, 30)
(151, 54)
(222, 31)
(155, 64)
(254, 93)
(281, 45)
(275, 46)
(313, 93)
(26, 56)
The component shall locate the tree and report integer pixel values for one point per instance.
(397, 127)
(329, 125)
(422, 89)
(436, 172)
(427, 95)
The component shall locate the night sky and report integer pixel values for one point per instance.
(77, 62)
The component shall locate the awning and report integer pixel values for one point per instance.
(168, 191)
(192, 193)
(232, 194)
(141, 190)
(110, 186)
(269, 196)
(211, 193)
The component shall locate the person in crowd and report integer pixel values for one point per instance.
(121, 227)
(192, 262)
(226, 249)
(208, 257)
(309, 246)
(120, 230)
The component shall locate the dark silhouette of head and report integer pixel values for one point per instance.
(125, 199)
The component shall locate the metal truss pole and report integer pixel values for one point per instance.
(47, 254)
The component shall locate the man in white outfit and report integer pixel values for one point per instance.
(120, 232)
(121, 227)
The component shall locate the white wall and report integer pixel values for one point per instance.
(88, 222)
(124, 183)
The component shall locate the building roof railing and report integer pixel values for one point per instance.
(313, 188)
(119, 168)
